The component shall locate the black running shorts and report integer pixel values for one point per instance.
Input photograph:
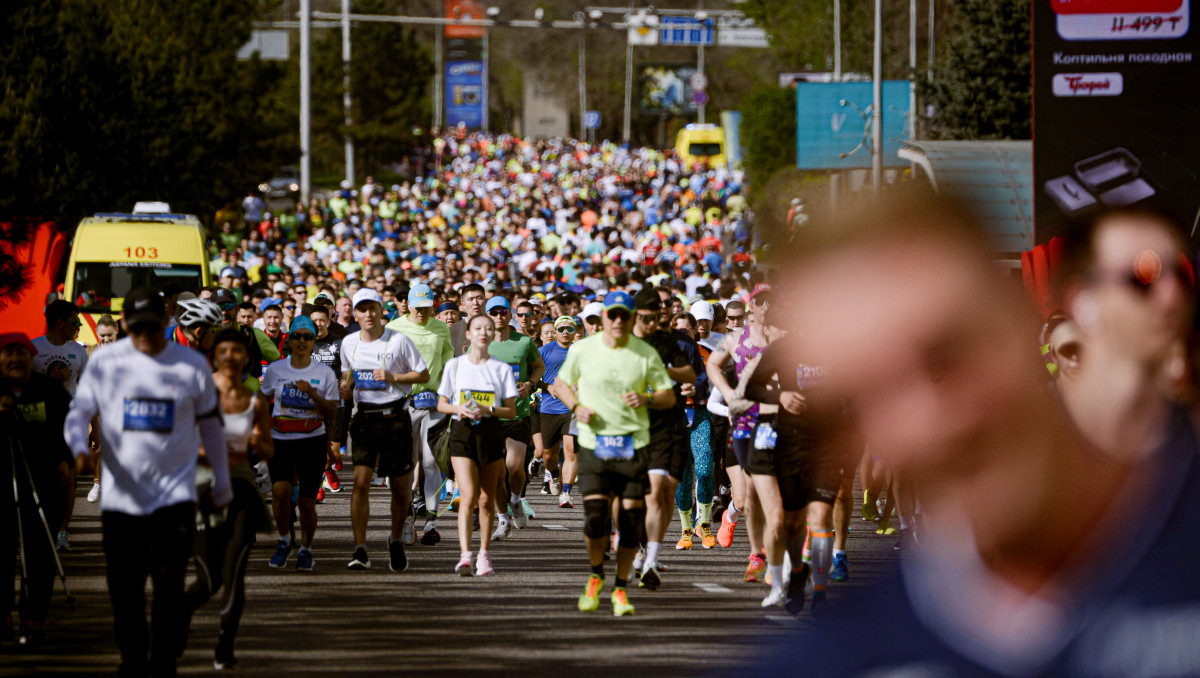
(627, 479)
(554, 428)
(381, 438)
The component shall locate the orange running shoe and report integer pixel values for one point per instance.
(707, 540)
(685, 542)
(756, 570)
(725, 533)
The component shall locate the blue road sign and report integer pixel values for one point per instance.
(685, 31)
(833, 124)
(591, 120)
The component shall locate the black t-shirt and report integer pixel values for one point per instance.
(42, 405)
(665, 344)
(781, 368)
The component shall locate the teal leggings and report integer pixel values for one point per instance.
(701, 467)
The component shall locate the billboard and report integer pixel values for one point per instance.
(1114, 109)
(464, 9)
(465, 94)
(665, 89)
(833, 126)
(545, 114)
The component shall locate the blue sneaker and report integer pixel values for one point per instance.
(839, 571)
(304, 561)
(454, 500)
(282, 551)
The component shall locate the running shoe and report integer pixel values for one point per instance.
(529, 512)
(304, 561)
(409, 534)
(454, 500)
(640, 559)
(483, 565)
(685, 542)
(398, 562)
(502, 530)
(564, 501)
(31, 634)
(223, 658)
(320, 495)
(546, 487)
(282, 550)
(885, 527)
(795, 591)
(725, 533)
(869, 510)
(534, 466)
(337, 466)
(555, 486)
(379, 482)
(94, 493)
(589, 600)
(463, 568)
(839, 571)
(360, 561)
(419, 509)
(651, 577)
(430, 536)
(707, 540)
(774, 598)
(905, 540)
(756, 569)
(64, 541)
(331, 483)
(519, 517)
(818, 603)
(620, 603)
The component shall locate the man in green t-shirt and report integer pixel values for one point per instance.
(432, 339)
(521, 354)
(617, 379)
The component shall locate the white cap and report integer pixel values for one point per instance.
(593, 309)
(366, 294)
(279, 287)
(702, 310)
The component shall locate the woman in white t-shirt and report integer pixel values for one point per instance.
(477, 391)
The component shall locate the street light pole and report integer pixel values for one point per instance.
(877, 106)
(438, 74)
(626, 126)
(305, 101)
(837, 40)
(582, 83)
(912, 64)
(346, 88)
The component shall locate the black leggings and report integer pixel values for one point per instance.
(221, 557)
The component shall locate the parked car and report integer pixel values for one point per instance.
(285, 186)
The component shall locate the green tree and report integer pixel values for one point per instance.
(981, 87)
(769, 132)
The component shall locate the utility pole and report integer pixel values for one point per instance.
(582, 83)
(438, 74)
(913, 115)
(346, 88)
(877, 106)
(305, 101)
(626, 127)
(837, 40)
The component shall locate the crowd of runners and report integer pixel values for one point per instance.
(585, 322)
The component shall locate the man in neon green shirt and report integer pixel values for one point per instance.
(432, 339)
(617, 379)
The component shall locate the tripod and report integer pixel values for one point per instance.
(17, 450)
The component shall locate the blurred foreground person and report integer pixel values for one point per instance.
(1041, 554)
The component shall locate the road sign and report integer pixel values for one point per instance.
(643, 30)
(591, 120)
(699, 97)
(699, 81)
(685, 31)
(742, 37)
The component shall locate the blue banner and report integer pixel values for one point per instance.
(465, 93)
(833, 120)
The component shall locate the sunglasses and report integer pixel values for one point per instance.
(498, 311)
(647, 317)
(618, 315)
(735, 318)
(567, 329)
(290, 307)
(524, 315)
(302, 337)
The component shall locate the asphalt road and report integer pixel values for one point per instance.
(428, 621)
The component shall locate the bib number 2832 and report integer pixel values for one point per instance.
(610, 448)
(144, 414)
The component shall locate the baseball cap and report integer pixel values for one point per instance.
(447, 306)
(701, 310)
(593, 309)
(647, 300)
(302, 323)
(142, 305)
(364, 295)
(420, 296)
(565, 321)
(279, 287)
(618, 299)
(770, 291)
(9, 338)
(268, 303)
(227, 272)
(327, 296)
(497, 302)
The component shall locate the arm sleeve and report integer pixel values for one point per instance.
(83, 408)
(212, 435)
(768, 366)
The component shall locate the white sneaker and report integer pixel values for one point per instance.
(502, 529)
(262, 478)
(94, 493)
(483, 565)
(520, 519)
(564, 501)
(555, 486)
(409, 535)
(775, 598)
(640, 559)
(63, 541)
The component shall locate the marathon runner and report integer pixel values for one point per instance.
(556, 417)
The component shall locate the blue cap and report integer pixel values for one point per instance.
(268, 303)
(301, 323)
(618, 299)
(447, 306)
(497, 302)
(420, 296)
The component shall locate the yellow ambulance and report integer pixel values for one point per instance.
(701, 143)
(114, 253)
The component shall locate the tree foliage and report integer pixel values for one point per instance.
(981, 86)
(769, 132)
(108, 103)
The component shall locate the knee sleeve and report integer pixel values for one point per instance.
(596, 523)
(630, 523)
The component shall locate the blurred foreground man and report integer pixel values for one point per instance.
(1041, 554)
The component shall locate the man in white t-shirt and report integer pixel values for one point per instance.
(62, 358)
(379, 367)
(157, 402)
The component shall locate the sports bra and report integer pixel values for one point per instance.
(238, 426)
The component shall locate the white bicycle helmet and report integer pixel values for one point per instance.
(194, 312)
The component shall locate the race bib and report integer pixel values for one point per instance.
(740, 434)
(33, 412)
(365, 380)
(295, 399)
(764, 437)
(481, 397)
(146, 414)
(425, 400)
(610, 448)
(516, 372)
(691, 415)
